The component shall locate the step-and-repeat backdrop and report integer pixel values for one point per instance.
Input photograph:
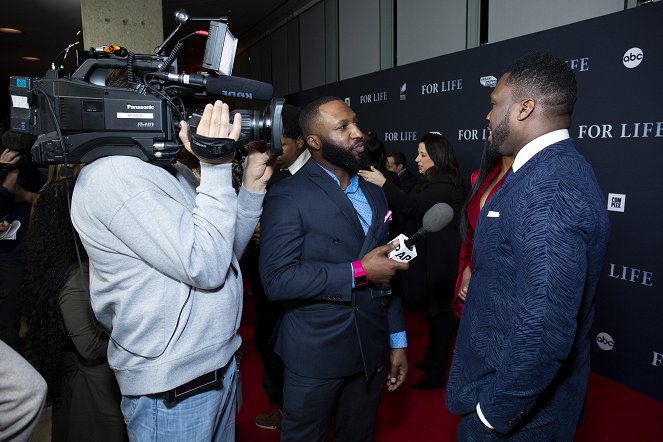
(617, 126)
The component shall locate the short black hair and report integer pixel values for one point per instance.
(399, 158)
(309, 113)
(546, 78)
(290, 120)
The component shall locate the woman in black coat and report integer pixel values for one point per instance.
(429, 282)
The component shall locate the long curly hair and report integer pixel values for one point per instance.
(51, 254)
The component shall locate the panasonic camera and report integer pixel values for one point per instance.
(84, 116)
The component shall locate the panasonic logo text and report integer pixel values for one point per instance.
(140, 107)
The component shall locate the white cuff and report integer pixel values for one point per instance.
(483, 419)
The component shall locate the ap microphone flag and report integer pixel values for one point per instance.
(435, 219)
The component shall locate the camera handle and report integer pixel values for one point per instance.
(183, 18)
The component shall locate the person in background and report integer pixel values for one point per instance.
(20, 181)
(376, 154)
(377, 157)
(268, 313)
(396, 162)
(429, 282)
(323, 253)
(521, 364)
(68, 344)
(485, 182)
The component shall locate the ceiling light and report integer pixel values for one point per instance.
(11, 31)
(28, 58)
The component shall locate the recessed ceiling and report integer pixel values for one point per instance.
(49, 26)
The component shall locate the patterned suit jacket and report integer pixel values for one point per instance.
(523, 345)
(310, 233)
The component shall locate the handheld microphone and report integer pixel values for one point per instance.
(435, 219)
(224, 85)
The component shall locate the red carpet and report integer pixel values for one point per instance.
(613, 412)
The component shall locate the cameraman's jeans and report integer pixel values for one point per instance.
(206, 416)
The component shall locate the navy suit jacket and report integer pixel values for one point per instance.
(310, 234)
(523, 345)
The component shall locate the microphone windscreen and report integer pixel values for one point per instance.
(239, 87)
(437, 217)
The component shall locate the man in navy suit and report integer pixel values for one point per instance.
(396, 162)
(323, 252)
(521, 363)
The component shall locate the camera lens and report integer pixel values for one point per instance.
(263, 124)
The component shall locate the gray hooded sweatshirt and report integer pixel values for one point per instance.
(164, 275)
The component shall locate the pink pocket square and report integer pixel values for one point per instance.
(387, 216)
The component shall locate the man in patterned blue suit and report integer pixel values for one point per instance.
(521, 364)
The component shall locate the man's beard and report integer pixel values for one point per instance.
(499, 135)
(343, 158)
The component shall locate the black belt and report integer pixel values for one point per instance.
(197, 385)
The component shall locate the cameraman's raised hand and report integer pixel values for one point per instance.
(259, 167)
(215, 123)
(10, 157)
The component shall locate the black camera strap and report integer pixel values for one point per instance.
(6, 167)
(213, 148)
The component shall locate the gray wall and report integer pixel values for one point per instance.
(358, 37)
(429, 28)
(513, 18)
(285, 59)
(334, 40)
(312, 46)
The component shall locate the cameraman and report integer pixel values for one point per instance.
(164, 278)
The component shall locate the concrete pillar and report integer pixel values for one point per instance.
(135, 24)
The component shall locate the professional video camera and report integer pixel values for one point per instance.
(79, 118)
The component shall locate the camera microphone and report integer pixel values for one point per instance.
(224, 85)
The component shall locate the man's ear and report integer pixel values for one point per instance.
(301, 144)
(314, 142)
(525, 108)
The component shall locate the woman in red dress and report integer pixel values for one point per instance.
(485, 181)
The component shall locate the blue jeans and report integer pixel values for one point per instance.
(206, 416)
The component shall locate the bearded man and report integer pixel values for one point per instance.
(323, 252)
(521, 362)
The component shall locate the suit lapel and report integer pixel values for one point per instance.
(371, 236)
(321, 179)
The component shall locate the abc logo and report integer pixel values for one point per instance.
(604, 341)
(633, 57)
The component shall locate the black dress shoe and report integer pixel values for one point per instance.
(429, 382)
